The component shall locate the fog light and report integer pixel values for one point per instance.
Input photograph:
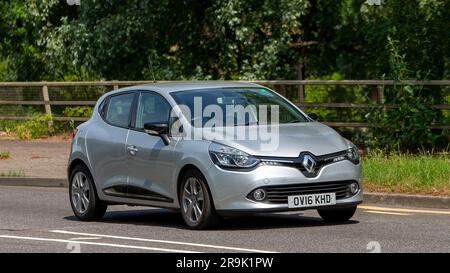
(259, 194)
(354, 188)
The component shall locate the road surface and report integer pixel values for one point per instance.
(40, 220)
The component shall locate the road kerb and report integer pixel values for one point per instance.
(33, 182)
(408, 200)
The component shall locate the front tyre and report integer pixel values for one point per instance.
(337, 215)
(83, 197)
(196, 203)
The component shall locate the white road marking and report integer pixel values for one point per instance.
(162, 241)
(405, 210)
(85, 238)
(388, 213)
(96, 244)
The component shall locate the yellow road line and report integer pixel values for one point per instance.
(389, 213)
(447, 212)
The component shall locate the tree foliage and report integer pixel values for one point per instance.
(220, 39)
(407, 126)
(242, 39)
(227, 39)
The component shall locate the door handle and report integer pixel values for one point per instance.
(132, 149)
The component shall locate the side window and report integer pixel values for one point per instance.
(151, 108)
(119, 110)
(102, 107)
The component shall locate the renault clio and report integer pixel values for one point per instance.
(179, 146)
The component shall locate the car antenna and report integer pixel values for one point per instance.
(151, 69)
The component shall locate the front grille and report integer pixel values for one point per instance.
(297, 162)
(279, 194)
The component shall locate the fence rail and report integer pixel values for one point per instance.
(280, 86)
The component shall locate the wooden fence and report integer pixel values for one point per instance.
(378, 86)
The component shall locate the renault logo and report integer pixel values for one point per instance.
(309, 163)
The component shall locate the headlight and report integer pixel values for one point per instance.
(352, 154)
(229, 157)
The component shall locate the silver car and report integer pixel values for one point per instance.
(156, 145)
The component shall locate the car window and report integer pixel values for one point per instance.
(224, 97)
(151, 108)
(119, 110)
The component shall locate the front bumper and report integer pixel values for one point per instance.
(230, 188)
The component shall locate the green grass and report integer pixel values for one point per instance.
(6, 125)
(13, 173)
(4, 155)
(404, 173)
(35, 127)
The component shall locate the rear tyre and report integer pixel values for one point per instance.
(196, 204)
(337, 215)
(83, 196)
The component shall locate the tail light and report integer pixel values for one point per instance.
(74, 133)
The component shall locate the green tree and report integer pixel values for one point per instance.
(215, 39)
(252, 39)
(408, 125)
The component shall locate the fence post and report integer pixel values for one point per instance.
(115, 85)
(380, 96)
(48, 109)
(301, 88)
(283, 90)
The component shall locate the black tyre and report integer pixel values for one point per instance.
(196, 204)
(83, 196)
(337, 215)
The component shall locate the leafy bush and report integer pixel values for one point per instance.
(78, 111)
(336, 93)
(408, 125)
(8, 125)
(34, 128)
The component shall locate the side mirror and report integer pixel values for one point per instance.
(160, 129)
(313, 116)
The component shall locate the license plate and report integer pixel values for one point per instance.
(311, 200)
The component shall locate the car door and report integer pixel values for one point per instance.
(149, 159)
(106, 145)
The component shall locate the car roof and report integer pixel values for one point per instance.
(195, 85)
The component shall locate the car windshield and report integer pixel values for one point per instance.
(236, 107)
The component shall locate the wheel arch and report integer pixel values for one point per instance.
(75, 162)
(183, 171)
(181, 174)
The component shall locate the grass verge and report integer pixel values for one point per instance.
(4, 155)
(35, 127)
(13, 173)
(424, 173)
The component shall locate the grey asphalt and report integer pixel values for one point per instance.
(29, 217)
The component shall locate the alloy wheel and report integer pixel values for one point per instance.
(193, 199)
(80, 192)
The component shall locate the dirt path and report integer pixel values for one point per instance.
(35, 158)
